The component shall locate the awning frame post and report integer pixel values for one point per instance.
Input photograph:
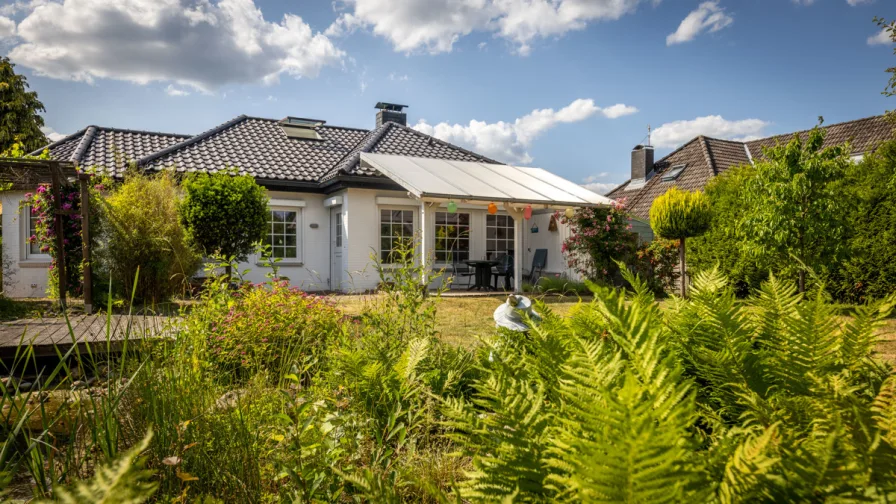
(517, 216)
(423, 276)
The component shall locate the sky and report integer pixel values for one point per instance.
(566, 85)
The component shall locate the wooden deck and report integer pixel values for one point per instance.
(46, 335)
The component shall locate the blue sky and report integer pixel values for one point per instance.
(567, 85)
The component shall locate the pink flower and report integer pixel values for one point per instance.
(66, 206)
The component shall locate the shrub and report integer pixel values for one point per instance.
(599, 236)
(655, 262)
(224, 213)
(679, 215)
(720, 247)
(869, 270)
(41, 204)
(144, 232)
(262, 328)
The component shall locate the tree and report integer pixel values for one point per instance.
(720, 247)
(20, 111)
(889, 27)
(678, 215)
(869, 271)
(599, 236)
(224, 213)
(793, 208)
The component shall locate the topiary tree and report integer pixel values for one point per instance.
(224, 213)
(679, 215)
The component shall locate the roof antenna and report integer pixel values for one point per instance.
(648, 136)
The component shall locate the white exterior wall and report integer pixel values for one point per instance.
(311, 271)
(23, 275)
(27, 277)
(546, 239)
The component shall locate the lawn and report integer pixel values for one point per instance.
(464, 320)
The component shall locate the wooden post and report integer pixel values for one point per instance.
(57, 226)
(86, 272)
(517, 216)
(423, 276)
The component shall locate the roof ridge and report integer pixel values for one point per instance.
(192, 140)
(325, 125)
(141, 132)
(363, 145)
(726, 140)
(59, 142)
(448, 144)
(710, 160)
(824, 126)
(680, 147)
(86, 140)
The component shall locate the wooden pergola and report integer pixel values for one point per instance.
(27, 175)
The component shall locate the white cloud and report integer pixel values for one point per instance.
(708, 16)
(883, 37)
(396, 77)
(618, 110)
(203, 44)
(7, 27)
(594, 178)
(510, 141)
(600, 187)
(676, 133)
(858, 2)
(51, 134)
(171, 90)
(20, 6)
(435, 25)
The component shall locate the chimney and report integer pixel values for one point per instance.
(642, 162)
(391, 112)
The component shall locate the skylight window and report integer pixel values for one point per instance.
(673, 173)
(301, 128)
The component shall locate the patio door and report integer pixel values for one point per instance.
(336, 240)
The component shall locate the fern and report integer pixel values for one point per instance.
(124, 481)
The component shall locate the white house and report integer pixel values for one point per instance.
(337, 195)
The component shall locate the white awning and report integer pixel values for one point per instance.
(438, 179)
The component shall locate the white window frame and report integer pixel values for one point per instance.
(509, 241)
(300, 242)
(469, 236)
(25, 233)
(379, 223)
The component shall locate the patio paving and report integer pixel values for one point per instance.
(46, 335)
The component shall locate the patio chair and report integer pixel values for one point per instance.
(460, 269)
(539, 262)
(504, 269)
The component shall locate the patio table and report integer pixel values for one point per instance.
(483, 269)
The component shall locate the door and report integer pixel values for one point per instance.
(336, 241)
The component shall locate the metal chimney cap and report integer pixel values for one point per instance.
(390, 106)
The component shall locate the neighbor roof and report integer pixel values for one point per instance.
(706, 157)
(255, 146)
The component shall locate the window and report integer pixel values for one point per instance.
(283, 236)
(452, 237)
(339, 229)
(498, 235)
(395, 226)
(32, 250)
(673, 173)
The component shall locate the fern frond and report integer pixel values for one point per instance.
(124, 481)
(750, 468)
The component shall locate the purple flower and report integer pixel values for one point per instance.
(66, 206)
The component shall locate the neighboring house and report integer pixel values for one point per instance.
(693, 164)
(337, 195)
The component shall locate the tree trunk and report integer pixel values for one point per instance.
(802, 281)
(228, 270)
(684, 277)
